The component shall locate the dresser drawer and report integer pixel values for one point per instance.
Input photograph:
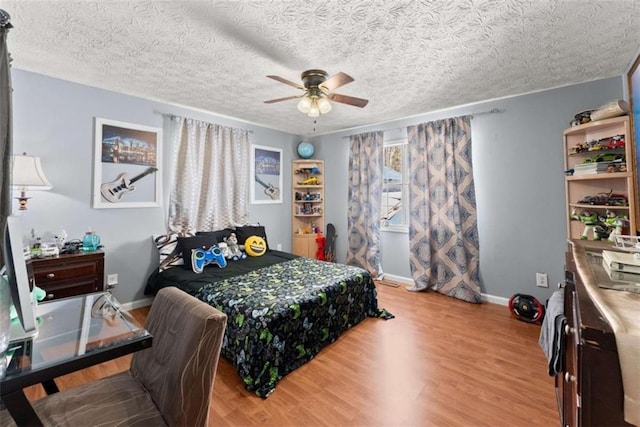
(69, 275)
(55, 274)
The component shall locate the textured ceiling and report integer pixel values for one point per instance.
(407, 57)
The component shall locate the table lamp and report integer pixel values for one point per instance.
(27, 174)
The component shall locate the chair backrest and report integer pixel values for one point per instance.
(180, 367)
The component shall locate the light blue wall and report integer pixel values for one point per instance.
(517, 156)
(54, 119)
(518, 170)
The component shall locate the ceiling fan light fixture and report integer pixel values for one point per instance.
(314, 111)
(324, 105)
(318, 94)
(304, 104)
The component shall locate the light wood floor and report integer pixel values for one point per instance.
(440, 362)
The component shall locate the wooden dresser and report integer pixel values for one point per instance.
(69, 274)
(590, 390)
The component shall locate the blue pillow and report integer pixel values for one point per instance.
(186, 244)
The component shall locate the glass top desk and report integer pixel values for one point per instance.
(73, 333)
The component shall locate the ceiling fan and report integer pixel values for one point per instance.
(318, 87)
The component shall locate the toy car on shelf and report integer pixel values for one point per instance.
(605, 157)
(578, 148)
(615, 142)
(605, 199)
(594, 145)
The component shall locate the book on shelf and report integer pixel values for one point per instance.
(595, 168)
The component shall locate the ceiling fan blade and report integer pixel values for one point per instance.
(336, 81)
(286, 98)
(287, 82)
(346, 99)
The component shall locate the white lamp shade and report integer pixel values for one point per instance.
(27, 173)
(304, 104)
(324, 105)
(314, 111)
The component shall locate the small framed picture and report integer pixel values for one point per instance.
(266, 175)
(127, 159)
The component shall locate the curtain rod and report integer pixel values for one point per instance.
(173, 117)
(479, 113)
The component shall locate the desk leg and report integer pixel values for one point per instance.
(50, 386)
(20, 409)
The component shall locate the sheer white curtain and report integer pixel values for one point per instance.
(211, 176)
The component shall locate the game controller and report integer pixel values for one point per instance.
(201, 257)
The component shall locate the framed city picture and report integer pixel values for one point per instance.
(266, 175)
(127, 161)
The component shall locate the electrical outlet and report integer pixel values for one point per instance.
(279, 246)
(542, 280)
(112, 279)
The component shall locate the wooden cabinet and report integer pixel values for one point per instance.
(608, 141)
(590, 384)
(69, 274)
(307, 206)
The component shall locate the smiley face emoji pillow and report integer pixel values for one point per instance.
(255, 246)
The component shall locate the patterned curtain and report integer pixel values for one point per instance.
(211, 177)
(443, 230)
(5, 124)
(365, 190)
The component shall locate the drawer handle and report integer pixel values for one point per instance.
(49, 296)
(568, 329)
(569, 378)
(50, 276)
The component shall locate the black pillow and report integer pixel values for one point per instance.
(246, 231)
(218, 235)
(186, 244)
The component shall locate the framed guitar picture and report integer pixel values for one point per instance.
(127, 161)
(266, 175)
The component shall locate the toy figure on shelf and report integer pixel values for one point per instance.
(615, 222)
(589, 219)
(309, 181)
(601, 231)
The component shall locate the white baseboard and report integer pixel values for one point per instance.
(137, 304)
(485, 297)
(398, 279)
(495, 300)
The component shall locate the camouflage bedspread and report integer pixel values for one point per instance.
(281, 316)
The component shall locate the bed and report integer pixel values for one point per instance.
(282, 309)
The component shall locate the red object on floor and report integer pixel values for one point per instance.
(321, 241)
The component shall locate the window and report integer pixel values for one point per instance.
(395, 187)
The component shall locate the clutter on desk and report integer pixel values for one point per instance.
(60, 244)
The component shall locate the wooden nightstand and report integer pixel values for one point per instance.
(70, 274)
